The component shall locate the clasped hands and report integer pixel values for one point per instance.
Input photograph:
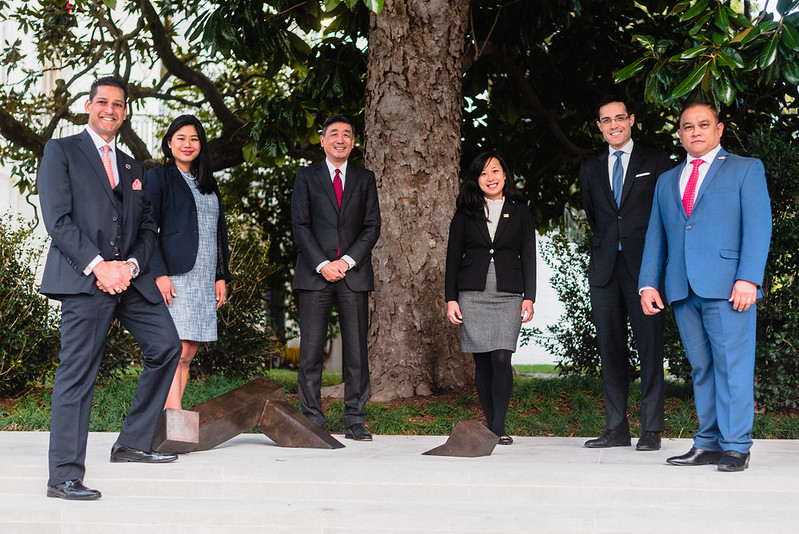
(113, 277)
(335, 270)
(744, 295)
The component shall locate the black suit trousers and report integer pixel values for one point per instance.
(85, 321)
(353, 313)
(612, 305)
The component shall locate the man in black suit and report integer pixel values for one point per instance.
(97, 213)
(616, 189)
(336, 219)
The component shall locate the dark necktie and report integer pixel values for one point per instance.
(618, 177)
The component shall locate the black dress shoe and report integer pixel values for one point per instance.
(649, 441)
(357, 432)
(73, 490)
(696, 457)
(505, 440)
(619, 437)
(732, 461)
(120, 453)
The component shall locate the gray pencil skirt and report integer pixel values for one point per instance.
(491, 319)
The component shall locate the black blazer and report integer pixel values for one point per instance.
(175, 213)
(627, 223)
(320, 227)
(84, 217)
(470, 249)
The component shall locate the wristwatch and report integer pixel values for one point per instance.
(134, 269)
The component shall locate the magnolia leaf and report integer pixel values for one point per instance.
(630, 70)
(374, 5)
(695, 10)
(790, 37)
(790, 71)
(690, 83)
(769, 53)
(110, 3)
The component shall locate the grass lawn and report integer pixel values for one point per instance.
(557, 406)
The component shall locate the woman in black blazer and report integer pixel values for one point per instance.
(490, 279)
(190, 263)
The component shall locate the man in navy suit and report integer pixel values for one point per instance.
(709, 232)
(97, 214)
(616, 189)
(336, 219)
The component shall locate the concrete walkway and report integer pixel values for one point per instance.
(539, 485)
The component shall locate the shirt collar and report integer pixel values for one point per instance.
(332, 168)
(708, 158)
(627, 149)
(99, 142)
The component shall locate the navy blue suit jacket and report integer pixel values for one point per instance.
(628, 222)
(85, 219)
(175, 213)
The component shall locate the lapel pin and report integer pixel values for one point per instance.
(506, 215)
(127, 166)
(722, 157)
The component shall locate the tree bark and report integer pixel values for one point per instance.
(412, 142)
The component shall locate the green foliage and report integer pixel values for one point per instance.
(246, 346)
(28, 324)
(714, 51)
(777, 365)
(573, 339)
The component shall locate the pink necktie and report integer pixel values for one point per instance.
(107, 164)
(339, 189)
(690, 187)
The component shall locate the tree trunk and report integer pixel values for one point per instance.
(413, 132)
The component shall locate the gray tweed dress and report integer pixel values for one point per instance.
(194, 305)
(491, 319)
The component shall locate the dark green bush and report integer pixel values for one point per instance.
(246, 346)
(573, 339)
(777, 363)
(29, 336)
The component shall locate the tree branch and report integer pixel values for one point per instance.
(543, 115)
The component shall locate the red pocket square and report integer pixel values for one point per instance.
(137, 185)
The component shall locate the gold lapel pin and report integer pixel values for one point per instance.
(127, 166)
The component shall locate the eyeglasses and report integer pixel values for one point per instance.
(618, 118)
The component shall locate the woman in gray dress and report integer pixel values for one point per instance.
(191, 261)
(490, 279)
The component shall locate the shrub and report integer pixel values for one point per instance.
(246, 346)
(29, 337)
(573, 339)
(777, 359)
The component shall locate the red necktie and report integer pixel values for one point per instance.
(339, 189)
(107, 164)
(690, 187)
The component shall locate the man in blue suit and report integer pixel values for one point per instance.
(97, 213)
(709, 231)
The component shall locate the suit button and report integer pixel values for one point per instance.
(111, 243)
(688, 227)
(114, 219)
(619, 217)
(491, 251)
